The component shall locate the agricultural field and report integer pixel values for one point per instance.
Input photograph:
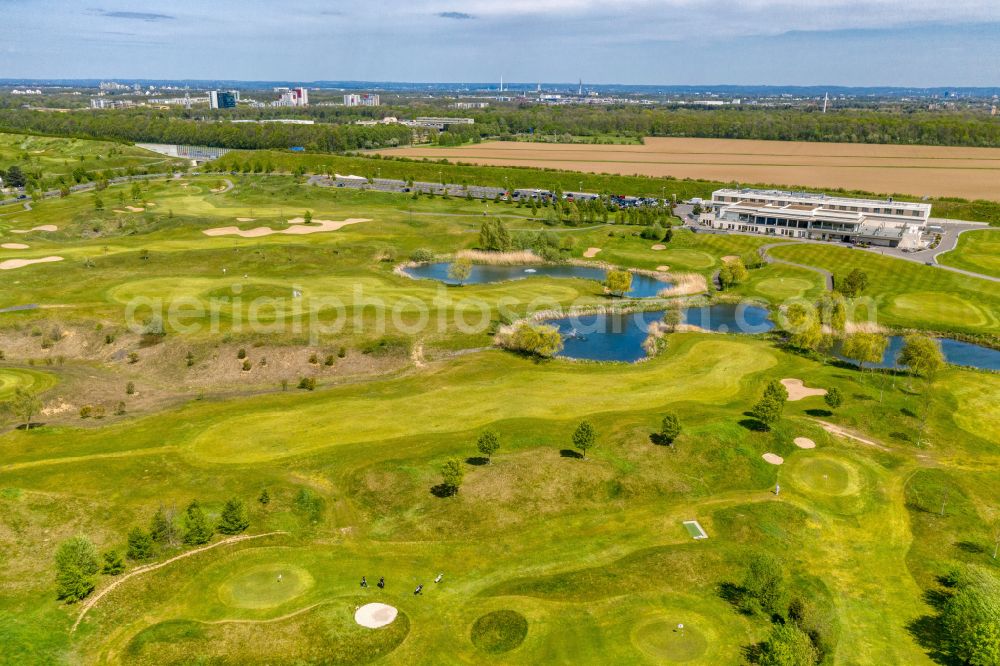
(546, 552)
(934, 171)
(47, 159)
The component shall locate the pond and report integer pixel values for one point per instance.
(955, 352)
(643, 286)
(619, 337)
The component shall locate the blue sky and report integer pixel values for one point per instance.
(804, 42)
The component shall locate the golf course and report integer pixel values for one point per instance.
(301, 454)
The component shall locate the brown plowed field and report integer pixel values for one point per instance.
(973, 173)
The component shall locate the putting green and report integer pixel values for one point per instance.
(783, 288)
(661, 638)
(260, 587)
(500, 631)
(11, 380)
(939, 307)
(686, 259)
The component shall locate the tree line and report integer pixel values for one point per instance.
(155, 127)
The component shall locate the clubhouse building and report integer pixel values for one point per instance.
(885, 223)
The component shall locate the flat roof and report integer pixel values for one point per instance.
(809, 197)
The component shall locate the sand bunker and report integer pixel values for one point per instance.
(135, 209)
(14, 246)
(773, 458)
(21, 263)
(663, 269)
(299, 229)
(730, 257)
(797, 390)
(245, 219)
(591, 252)
(44, 227)
(659, 246)
(804, 443)
(374, 616)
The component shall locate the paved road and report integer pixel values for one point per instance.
(83, 187)
(763, 250)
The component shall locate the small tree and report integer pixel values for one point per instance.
(673, 317)
(264, 498)
(769, 408)
(833, 398)
(25, 404)
(452, 473)
(971, 617)
(488, 443)
(140, 545)
(197, 531)
(113, 563)
(234, 517)
(865, 348)
(460, 269)
(162, 529)
(922, 355)
(584, 437)
(763, 584)
(670, 428)
(853, 284)
(787, 646)
(76, 565)
(308, 217)
(618, 282)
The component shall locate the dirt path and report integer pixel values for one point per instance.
(835, 429)
(92, 601)
(269, 620)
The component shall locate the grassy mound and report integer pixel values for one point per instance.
(662, 639)
(500, 631)
(327, 635)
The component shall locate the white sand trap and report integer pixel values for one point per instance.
(374, 616)
(591, 252)
(797, 390)
(730, 257)
(663, 269)
(659, 246)
(773, 458)
(44, 227)
(14, 246)
(804, 443)
(245, 219)
(299, 229)
(21, 263)
(135, 209)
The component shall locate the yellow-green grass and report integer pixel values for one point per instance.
(977, 251)
(910, 294)
(55, 157)
(34, 381)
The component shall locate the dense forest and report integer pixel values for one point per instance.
(154, 127)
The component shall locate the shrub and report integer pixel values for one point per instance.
(133, 358)
(307, 383)
(329, 360)
(241, 354)
(421, 255)
(86, 411)
(130, 388)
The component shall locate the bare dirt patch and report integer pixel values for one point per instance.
(797, 389)
(11, 264)
(591, 252)
(298, 228)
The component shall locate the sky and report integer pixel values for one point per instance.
(921, 43)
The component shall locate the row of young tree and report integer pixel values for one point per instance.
(77, 561)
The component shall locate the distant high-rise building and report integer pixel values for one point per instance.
(218, 99)
(292, 97)
(364, 99)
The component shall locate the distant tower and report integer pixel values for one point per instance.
(826, 100)
(580, 92)
(501, 83)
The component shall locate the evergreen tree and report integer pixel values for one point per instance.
(264, 498)
(113, 563)
(769, 408)
(162, 529)
(234, 517)
(140, 545)
(197, 531)
(76, 565)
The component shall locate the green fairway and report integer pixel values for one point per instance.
(977, 251)
(547, 551)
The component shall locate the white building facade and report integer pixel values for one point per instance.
(885, 223)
